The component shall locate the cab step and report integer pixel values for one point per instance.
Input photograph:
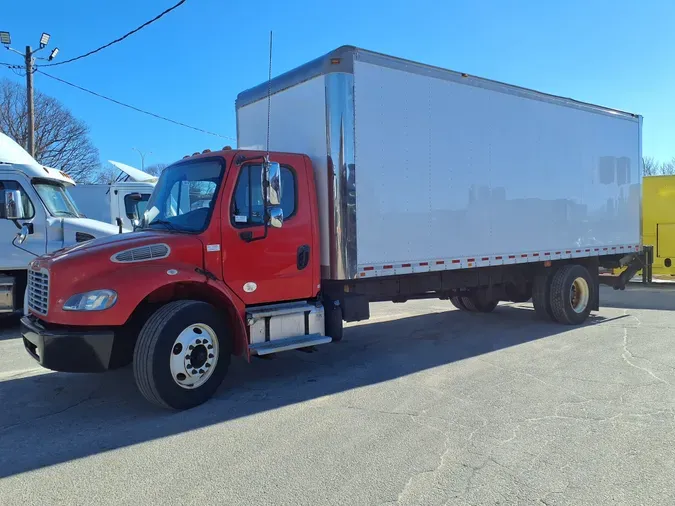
(288, 343)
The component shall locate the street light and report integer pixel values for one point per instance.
(29, 61)
(44, 40)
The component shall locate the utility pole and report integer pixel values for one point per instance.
(29, 62)
(29, 100)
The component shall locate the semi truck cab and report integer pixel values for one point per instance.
(35, 202)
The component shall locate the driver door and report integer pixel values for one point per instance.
(278, 267)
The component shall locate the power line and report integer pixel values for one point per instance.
(119, 39)
(134, 108)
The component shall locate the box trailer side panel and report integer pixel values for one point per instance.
(93, 201)
(297, 125)
(460, 174)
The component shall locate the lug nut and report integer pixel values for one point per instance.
(207, 365)
(210, 346)
(187, 357)
(194, 371)
(191, 347)
(198, 341)
(210, 355)
(201, 371)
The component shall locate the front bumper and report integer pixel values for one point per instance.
(67, 350)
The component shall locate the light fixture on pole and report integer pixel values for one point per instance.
(29, 62)
(44, 40)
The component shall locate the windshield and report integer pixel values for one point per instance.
(56, 199)
(184, 196)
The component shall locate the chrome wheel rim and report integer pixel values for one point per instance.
(579, 295)
(194, 356)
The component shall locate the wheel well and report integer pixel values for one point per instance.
(188, 291)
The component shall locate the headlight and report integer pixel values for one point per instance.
(96, 300)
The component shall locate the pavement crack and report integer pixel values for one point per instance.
(627, 356)
(53, 413)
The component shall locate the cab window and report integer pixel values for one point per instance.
(135, 204)
(247, 203)
(28, 209)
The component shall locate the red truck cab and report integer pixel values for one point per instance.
(178, 296)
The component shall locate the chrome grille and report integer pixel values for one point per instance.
(141, 254)
(38, 291)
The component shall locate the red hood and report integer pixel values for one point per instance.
(93, 258)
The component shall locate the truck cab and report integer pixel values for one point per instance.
(35, 199)
(121, 202)
(209, 247)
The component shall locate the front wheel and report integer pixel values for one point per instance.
(182, 354)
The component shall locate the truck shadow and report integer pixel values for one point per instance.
(654, 296)
(52, 418)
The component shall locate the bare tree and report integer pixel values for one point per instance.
(61, 140)
(156, 169)
(650, 167)
(668, 168)
(107, 174)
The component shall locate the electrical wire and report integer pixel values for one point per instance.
(133, 107)
(120, 39)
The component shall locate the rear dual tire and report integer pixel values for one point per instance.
(564, 295)
(474, 303)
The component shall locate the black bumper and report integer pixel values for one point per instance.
(67, 350)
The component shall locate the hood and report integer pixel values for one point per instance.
(89, 226)
(134, 173)
(94, 256)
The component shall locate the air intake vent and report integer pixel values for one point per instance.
(142, 254)
(83, 237)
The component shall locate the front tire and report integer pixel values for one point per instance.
(182, 354)
(571, 294)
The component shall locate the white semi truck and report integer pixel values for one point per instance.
(35, 200)
(121, 202)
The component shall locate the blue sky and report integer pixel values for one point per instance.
(192, 63)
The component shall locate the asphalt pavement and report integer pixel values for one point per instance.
(423, 404)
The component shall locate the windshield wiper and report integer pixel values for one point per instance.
(168, 224)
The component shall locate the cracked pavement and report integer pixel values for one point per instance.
(422, 405)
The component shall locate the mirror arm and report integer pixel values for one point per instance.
(17, 224)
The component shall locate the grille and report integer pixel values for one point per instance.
(38, 291)
(142, 254)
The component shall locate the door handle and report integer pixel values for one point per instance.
(303, 256)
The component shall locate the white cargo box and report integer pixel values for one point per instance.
(420, 168)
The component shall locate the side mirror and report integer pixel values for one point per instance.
(275, 216)
(25, 231)
(14, 209)
(135, 196)
(271, 175)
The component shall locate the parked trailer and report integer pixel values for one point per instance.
(399, 180)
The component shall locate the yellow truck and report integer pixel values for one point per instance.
(658, 221)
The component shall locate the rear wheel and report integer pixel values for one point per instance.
(182, 354)
(541, 296)
(333, 320)
(458, 302)
(571, 294)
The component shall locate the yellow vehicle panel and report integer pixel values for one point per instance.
(658, 221)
